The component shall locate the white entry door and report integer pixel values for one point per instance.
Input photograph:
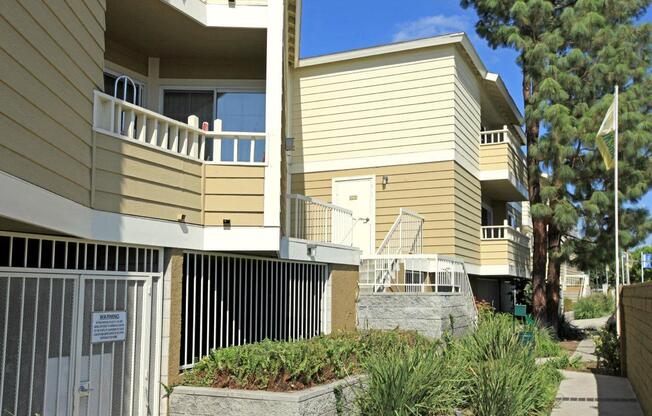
(358, 194)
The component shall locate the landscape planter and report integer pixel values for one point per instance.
(336, 398)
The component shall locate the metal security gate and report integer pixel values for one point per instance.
(232, 300)
(75, 341)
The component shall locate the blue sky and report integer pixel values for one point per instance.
(339, 25)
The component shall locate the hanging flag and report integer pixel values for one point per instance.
(605, 139)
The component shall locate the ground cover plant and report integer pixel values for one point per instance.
(594, 306)
(490, 371)
(283, 366)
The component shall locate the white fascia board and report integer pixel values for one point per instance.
(503, 270)
(297, 249)
(221, 15)
(241, 239)
(498, 83)
(505, 174)
(34, 205)
(249, 16)
(383, 49)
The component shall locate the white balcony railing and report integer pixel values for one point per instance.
(119, 118)
(413, 273)
(504, 135)
(315, 220)
(505, 232)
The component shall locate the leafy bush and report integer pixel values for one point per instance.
(413, 381)
(607, 349)
(504, 377)
(594, 306)
(279, 365)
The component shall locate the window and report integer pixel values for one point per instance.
(109, 88)
(487, 216)
(239, 111)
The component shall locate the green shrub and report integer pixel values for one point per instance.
(504, 377)
(279, 365)
(413, 381)
(594, 306)
(607, 349)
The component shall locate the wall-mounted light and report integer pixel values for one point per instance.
(226, 222)
(385, 180)
(181, 217)
(231, 3)
(289, 144)
(311, 250)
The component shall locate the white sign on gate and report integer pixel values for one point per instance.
(108, 326)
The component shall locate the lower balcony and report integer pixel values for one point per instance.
(504, 251)
(316, 230)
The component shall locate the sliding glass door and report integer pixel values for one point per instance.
(239, 112)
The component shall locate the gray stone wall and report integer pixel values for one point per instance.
(334, 399)
(428, 313)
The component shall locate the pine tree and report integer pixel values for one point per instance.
(571, 54)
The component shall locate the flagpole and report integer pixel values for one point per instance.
(616, 226)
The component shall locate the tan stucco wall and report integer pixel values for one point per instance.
(443, 192)
(344, 291)
(636, 339)
(52, 59)
(174, 345)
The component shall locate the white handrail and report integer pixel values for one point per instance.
(120, 118)
(405, 236)
(315, 220)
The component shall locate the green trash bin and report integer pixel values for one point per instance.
(520, 310)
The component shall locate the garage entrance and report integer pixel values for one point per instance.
(77, 335)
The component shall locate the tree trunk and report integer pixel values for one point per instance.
(538, 224)
(552, 285)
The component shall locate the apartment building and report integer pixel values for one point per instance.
(175, 179)
(421, 141)
(143, 202)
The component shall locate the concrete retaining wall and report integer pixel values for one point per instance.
(428, 313)
(334, 399)
(636, 338)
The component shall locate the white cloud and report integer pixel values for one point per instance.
(431, 26)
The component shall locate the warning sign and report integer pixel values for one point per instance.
(108, 326)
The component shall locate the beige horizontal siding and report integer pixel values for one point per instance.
(51, 60)
(136, 180)
(500, 252)
(378, 106)
(467, 111)
(235, 193)
(503, 156)
(443, 192)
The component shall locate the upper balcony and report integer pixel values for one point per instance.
(504, 251)
(503, 169)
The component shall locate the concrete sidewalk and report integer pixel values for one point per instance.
(587, 394)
